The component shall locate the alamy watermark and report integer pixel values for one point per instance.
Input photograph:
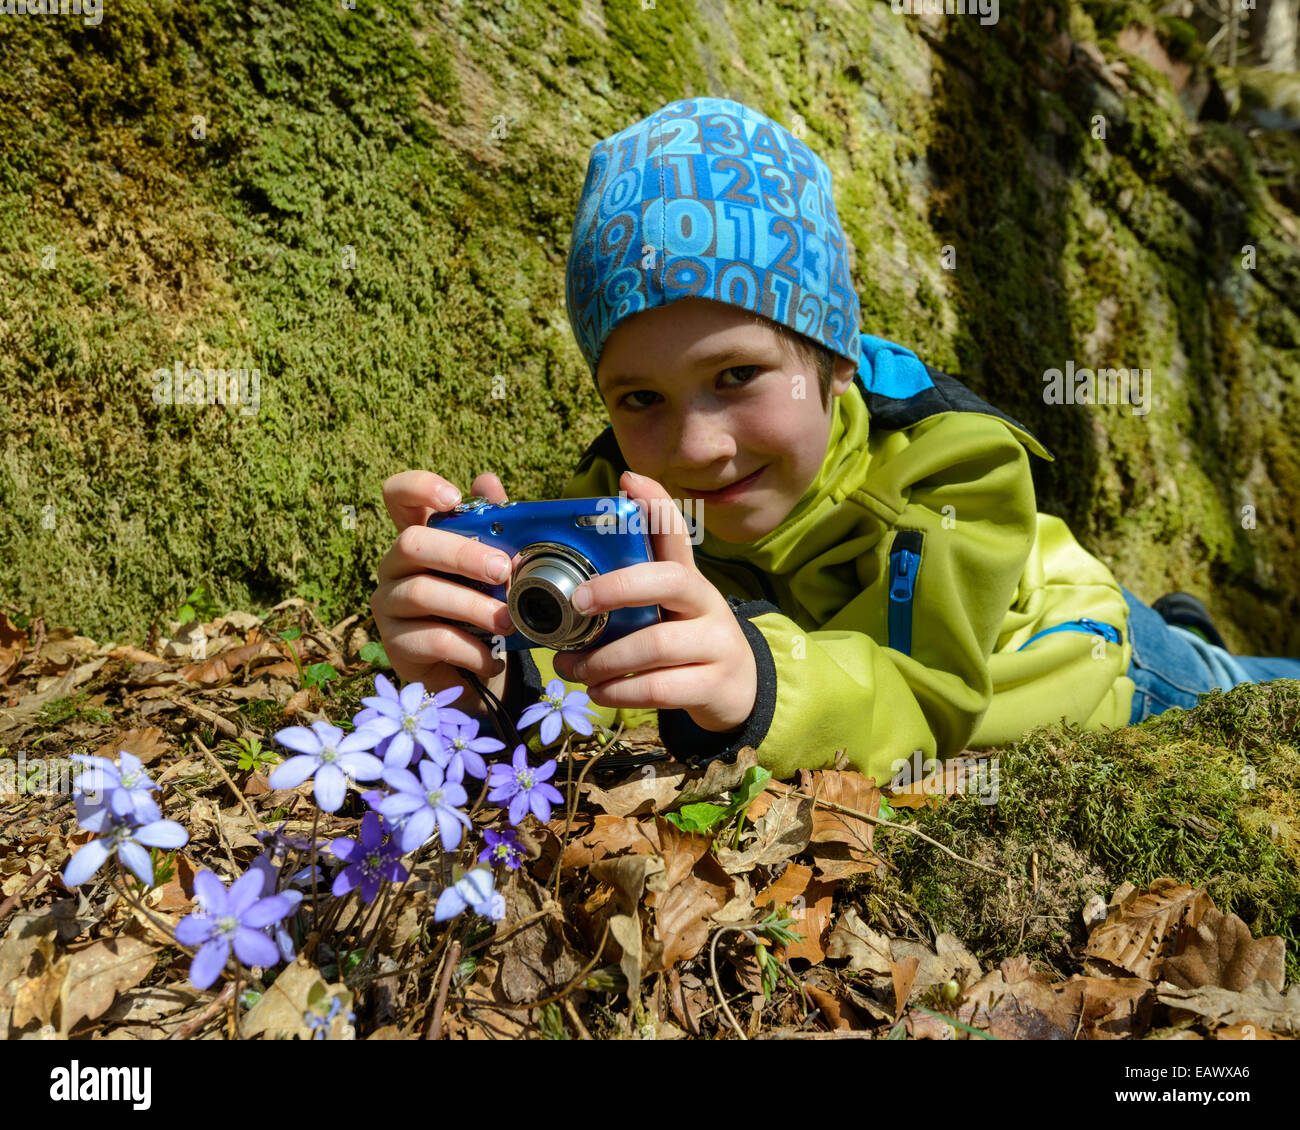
(685, 516)
(91, 11)
(987, 10)
(180, 385)
(1100, 386)
(47, 776)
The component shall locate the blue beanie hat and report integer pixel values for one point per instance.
(708, 198)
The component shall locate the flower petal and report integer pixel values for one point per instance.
(211, 893)
(194, 929)
(208, 962)
(419, 827)
(299, 738)
(265, 911)
(244, 891)
(331, 788)
(137, 859)
(88, 859)
(361, 766)
(252, 947)
(162, 834)
(450, 903)
(291, 773)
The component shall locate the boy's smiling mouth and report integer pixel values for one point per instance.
(731, 491)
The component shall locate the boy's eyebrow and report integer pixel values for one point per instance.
(720, 357)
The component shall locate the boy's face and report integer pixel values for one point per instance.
(702, 396)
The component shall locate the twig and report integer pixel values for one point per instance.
(572, 1013)
(223, 726)
(216, 1005)
(453, 956)
(713, 969)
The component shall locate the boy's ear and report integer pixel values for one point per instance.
(843, 377)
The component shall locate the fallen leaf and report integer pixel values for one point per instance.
(282, 1012)
(810, 906)
(592, 838)
(694, 887)
(867, 949)
(1141, 931)
(781, 832)
(539, 959)
(223, 666)
(1260, 1004)
(1222, 952)
(651, 789)
(98, 973)
(904, 975)
(838, 1014)
(148, 745)
(719, 777)
(37, 998)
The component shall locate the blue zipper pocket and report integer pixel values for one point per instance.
(1082, 624)
(904, 562)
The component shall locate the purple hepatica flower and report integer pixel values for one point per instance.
(129, 843)
(429, 802)
(475, 890)
(236, 916)
(556, 708)
(125, 788)
(502, 847)
(464, 752)
(526, 789)
(325, 751)
(410, 721)
(370, 860)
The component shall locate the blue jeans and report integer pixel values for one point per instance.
(1172, 666)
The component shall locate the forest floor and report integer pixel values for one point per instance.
(1136, 884)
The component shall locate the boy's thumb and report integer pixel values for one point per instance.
(488, 486)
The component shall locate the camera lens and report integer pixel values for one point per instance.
(540, 612)
(540, 595)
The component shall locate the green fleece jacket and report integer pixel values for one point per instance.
(940, 475)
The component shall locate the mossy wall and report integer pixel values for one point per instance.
(371, 207)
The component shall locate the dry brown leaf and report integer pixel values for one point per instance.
(539, 959)
(810, 906)
(949, 949)
(867, 949)
(148, 745)
(653, 788)
(781, 831)
(1247, 1032)
(922, 1025)
(695, 888)
(954, 775)
(280, 1014)
(904, 975)
(1221, 951)
(593, 838)
(1142, 930)
(222, 666)
(837, 1013)
(37, 998)
(98, 973)
(1260, 1004)
(719, 777)
(687, 998)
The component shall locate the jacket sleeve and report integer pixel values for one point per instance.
(970, 495)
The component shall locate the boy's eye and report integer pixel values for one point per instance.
(748, 371)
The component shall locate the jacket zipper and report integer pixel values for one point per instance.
(1082, 624)
(904, 562)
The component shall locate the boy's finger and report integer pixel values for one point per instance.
(665, 583)
(411, 496)
(669, 538)
(488, 486)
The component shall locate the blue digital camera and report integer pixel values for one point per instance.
(554, 547)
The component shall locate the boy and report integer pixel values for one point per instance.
(873, 574)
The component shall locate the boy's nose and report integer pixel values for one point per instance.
(701, 443)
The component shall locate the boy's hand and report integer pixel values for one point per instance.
(697, 660)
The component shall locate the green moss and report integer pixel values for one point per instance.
(1207, 797)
